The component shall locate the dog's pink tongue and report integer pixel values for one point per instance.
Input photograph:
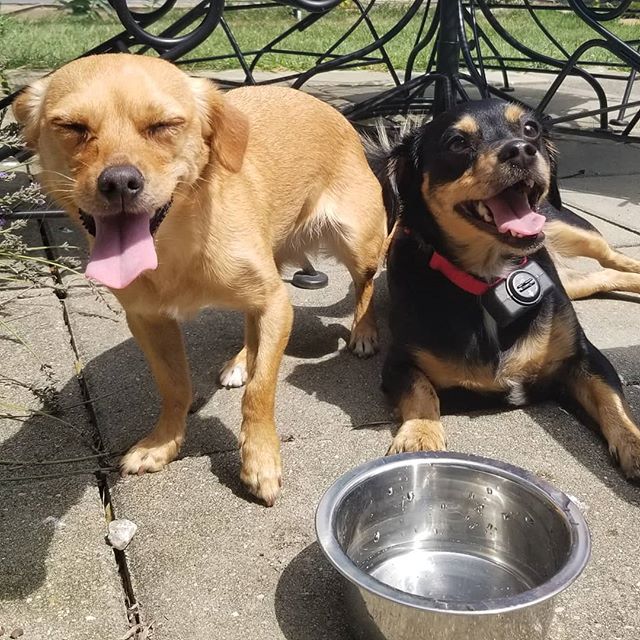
(123, 249)
(512, 212)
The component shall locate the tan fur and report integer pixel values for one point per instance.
(421, 429)
(467, 124)
(583, 285)
(259, 177)
(476, 252)
(622, 272)
(445, 373)
(612, 414)
(513, 113)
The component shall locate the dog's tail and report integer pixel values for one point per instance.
(382, 148)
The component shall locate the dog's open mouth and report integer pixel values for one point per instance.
(123, 246)
(512, 212)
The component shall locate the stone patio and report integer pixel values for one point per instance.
(208, 562)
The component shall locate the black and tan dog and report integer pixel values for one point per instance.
(479, 314)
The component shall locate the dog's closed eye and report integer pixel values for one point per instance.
(167, 126)
(77, 129)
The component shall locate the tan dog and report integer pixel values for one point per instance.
(247, 181)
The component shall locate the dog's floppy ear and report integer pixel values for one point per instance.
(27, 109)
(225, 128)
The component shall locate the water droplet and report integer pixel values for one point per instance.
(390, 491)
(471, 495)
(473, 525)
(435, 531)
(490, 527)
(443, 505)
(468, 518)
(529, 520)
(480, 508)
(506, 516)
(489, 490)
(376, 537)
(410, 496)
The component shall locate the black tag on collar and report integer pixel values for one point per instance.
(519, 292)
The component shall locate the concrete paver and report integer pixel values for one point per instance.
(59, 579)
(614, 198)
(617, 236)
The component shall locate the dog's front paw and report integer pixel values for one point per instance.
(149, 455)
(626, 450)
(418, 435)
(364, 341)
(261, 469)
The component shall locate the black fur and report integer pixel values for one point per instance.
(431, 314)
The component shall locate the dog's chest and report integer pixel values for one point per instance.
(535, 357)
(531, 359)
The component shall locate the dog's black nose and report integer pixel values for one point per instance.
(120, 183)
(518, 152)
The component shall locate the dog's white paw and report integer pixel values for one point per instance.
(233, 375)
(148, 456)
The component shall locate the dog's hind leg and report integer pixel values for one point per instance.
(161, 341)
(359, 245)
(578, 284)
(267, 333)
(596, 387)
(573, 241)
(417, 402)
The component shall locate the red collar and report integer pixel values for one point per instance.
(462, 279)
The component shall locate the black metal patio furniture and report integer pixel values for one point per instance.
(461, 52)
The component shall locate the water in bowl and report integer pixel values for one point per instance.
(447, 571)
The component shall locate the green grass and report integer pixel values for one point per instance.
(49, 41)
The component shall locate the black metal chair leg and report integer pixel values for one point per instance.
(309, 278)
(620, 121)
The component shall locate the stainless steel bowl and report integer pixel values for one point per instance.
(450, 546)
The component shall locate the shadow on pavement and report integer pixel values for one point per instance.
(309, 600)
(126, 406)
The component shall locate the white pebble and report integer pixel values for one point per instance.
(121, 532)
